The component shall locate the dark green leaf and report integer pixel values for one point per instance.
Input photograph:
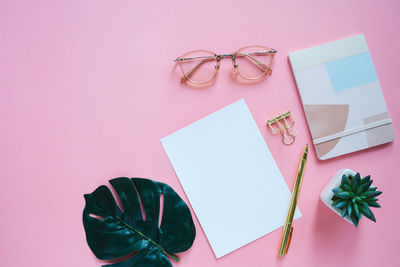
(349, 209)
(363, 187)
(337, 190)
(340, 204)
(373, 204)
(356, 182)
(112, 233)
(367, 212)
(354, 219)
(345, 195)
(347, 187)
(365, 179)
(363, 203)
(344, 211)
(371, 194)
(356, 211)
(341, 194)
(372, 188)
(345, 180)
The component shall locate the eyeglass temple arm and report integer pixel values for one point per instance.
(258, 63)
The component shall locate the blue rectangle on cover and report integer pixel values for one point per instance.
(351, 71)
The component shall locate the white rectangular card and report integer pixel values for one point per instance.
(229, 177)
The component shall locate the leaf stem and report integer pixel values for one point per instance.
(174, 257)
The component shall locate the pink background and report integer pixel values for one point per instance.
(88, 88)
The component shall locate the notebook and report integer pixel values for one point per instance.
(230, 178)
(341, 96)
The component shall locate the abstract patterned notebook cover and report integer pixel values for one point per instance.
(341, 96)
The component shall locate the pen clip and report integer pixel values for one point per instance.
(289, 239)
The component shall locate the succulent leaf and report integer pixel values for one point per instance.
(356, 182)
(337, 190)
(373, 204)
(356, 211)
(349, 209)
(340, 193)
(347, 187)
(340, 203)
(354, 219)
(370, 194)
(363, 203)
(365, 179)
(344, 195)
(372, 188)
(363, 187)
(367, 212)
(344, 211)
(345, 180)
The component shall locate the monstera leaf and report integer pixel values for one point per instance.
(112, 233)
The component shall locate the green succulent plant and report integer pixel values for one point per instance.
(355, 196)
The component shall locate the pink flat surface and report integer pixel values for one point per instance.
(88, 88)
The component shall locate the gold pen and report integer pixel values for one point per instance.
(288, 228)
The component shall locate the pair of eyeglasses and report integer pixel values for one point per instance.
(250, 62)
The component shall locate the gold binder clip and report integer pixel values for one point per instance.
(283, 124)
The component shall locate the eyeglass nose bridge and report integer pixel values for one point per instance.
(232, 56)
(218, 58)
(235, 66)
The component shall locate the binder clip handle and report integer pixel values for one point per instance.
(287, 137)
(283, 124)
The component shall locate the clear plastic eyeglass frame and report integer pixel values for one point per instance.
(253, 55)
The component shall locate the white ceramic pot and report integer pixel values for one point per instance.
(327, 194)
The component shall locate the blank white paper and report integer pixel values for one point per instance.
(230, 178)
